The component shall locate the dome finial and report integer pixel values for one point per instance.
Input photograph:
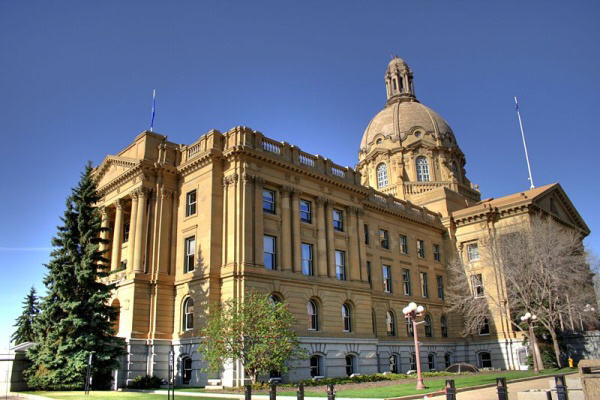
(399, 81)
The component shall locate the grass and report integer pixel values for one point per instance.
(113, 396)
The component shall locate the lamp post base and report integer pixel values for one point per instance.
(420, 384)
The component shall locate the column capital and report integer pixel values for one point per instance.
(286, 190)
(320, 200)
(259, 180)
(165, 193)
(356, 210)
(246, 177)
(230, 179)
(119, 203)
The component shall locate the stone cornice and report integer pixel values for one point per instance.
(199, 161)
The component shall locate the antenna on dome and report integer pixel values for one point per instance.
(531, 185)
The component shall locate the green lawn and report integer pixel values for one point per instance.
(113, 396)
(433, 384)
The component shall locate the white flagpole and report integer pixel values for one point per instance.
(531, 186)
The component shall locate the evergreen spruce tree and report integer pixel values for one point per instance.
(24, 332)
(75, 318)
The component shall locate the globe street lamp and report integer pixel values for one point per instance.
(529, 319)
(412, 311)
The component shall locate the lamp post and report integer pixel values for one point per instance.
(537, 359)
(412, 311)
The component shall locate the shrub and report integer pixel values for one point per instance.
(145, 382)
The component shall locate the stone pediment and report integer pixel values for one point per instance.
(556, 203)
(112, 167)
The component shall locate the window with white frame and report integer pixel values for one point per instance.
(189, 253)
(307, 259)
(394, 363)
(485, 327)
(406, 282)
(403, 244)
(188, 314)
(270, 252)
(315, 365)
(350, 364)
(338, 220)
(484, 359)
(313, 315)
(387, 278)
(437, 253)
(186, 364)
(382, 176)
(424, 284)
(422, 169)
(384, 238)
(472, 251)
(305, 211)
(431, 361)
(340, 265)
(190, 203)
(477, 283)
(347, 317)
(269, 201)
(421, 248)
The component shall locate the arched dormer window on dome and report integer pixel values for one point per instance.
(382, 176)
(422, 169)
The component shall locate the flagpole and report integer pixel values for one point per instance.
(524, 144)
(153, 110)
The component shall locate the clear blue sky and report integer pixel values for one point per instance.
(76, 81)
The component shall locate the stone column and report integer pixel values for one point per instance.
(258, 221)
(330, 239)
(286, 230)
(132, 231)
(321, 238)
(353, 233)
(296, 239)
(140, 223)
(362, 251)
(117, 236)
(104, 233)
(246, 227)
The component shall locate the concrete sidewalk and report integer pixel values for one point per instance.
(490, 393)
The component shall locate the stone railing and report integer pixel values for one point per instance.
(404, 207)
(421, 187)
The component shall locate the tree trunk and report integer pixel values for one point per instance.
(556, 347)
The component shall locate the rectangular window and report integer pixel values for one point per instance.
(123, 265)
(369, 273)
(477, 282)
(125, 232)
(270, 252)
(403, 244)
(424, 285)
(190, 203)
(437, 254)
(305, 211)
(190, 250)
(338, 220)
(366, 233)
(421, 248)
(440, 286)
(340, 265)
(307, 259)
(406, 282)
(384, 238)
(473, 252)
(387, 279)
(269, 201)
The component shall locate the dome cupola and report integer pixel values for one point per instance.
(408, 149)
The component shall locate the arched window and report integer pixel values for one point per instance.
(390, 322)
(313, 315)
(413, 361)
(428, 326)
(484, 359)
(444, 325)
(394, 364)
(409, 327)
(447, 359)
(422, 169)
(188, 314)
(431, 361)
(186, 373)
(274, 298)
(316, 366)
(347, 317)
(350, 364)
(382, 176)
(484, 329)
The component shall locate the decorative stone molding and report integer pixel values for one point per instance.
(230, 179)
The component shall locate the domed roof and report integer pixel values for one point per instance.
(398, 119)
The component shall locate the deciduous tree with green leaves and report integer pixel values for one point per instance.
(255, 330)
(24, 332)
(75, 318)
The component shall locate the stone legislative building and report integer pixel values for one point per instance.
(347, 249)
